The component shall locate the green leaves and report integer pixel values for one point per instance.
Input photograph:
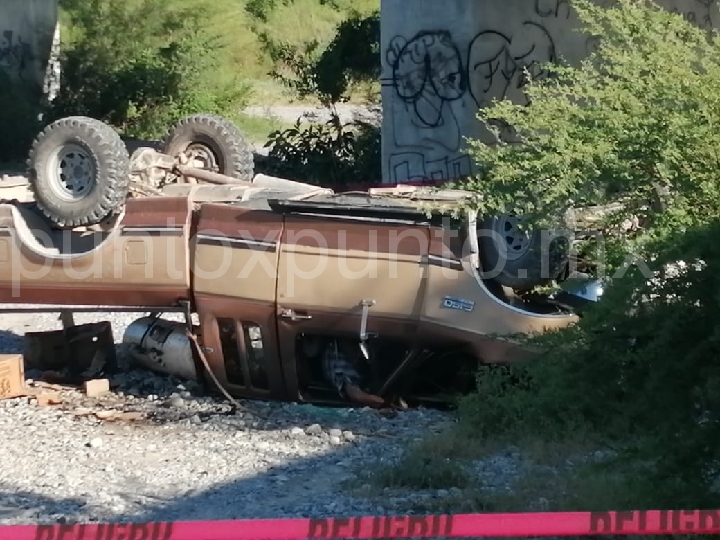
(636, 123)
(641, 111)
(168, 69)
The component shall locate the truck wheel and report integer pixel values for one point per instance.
(79, 172)
(212, 143)
(520, 259)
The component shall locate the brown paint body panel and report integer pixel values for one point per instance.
(142, 261)
(210, 310)
(286, 274)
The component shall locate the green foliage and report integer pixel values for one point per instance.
(640, 115)
(638, 118)
(329, 73)
(353, 55)
(19, 117)
(639, 369)
(141, 65)
(328, 154)
(295, 23)
(333, 153)
(260, 9)
(420, 468)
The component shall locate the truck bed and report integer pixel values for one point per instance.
(144, 257)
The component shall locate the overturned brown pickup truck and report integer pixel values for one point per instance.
(271, 270)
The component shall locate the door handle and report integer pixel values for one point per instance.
(290, 314)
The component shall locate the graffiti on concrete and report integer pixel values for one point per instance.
(16, 56)
(429, 80)
(699, 15)
(436, 84)
(553, 8)
(416, 166)
(498, 62)
(437, 79)
(428, 75)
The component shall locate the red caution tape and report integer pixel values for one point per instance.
(457, 526)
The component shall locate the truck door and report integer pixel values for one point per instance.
(328, 268)
(235, 275)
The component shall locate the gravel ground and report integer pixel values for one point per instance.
(185, 455)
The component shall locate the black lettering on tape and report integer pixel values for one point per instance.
(121, 532)
(318, 528)
(140, 531)
(663, 524)
(376, 526)
(709, 515)
(435, 527)
(165, 531)
(417, 526)
(600, 522)
(400, 527)
(60, 532)
(387, 523)
(356, 522)
(45, 532)
(338, 525)
(107, 531)
(621, 518)
(691, 523)
(441, 525)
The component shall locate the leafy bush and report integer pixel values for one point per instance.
(328, 74)
(333, 153)
(260, 9)
(328, 154)
(637, 119)
(638, 369)
(141, 65)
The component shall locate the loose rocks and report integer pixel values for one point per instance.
(153, 449)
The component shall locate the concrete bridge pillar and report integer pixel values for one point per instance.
(29, 40)
(442, 60)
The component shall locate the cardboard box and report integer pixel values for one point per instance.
(12, 376)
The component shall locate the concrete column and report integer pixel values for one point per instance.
(27, 29)
(443, 59)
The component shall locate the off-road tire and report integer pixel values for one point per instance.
(108, 157)
(538, 266)
(233, 153)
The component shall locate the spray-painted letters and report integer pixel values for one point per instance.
(16, 56)
(438, 75)
(436, 83)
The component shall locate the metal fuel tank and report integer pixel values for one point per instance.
(161, 345)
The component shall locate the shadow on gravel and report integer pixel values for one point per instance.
(11, 343)
(306, 487)
(302, 471)
(29, 507)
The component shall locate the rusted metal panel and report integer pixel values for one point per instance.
(76, 348)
